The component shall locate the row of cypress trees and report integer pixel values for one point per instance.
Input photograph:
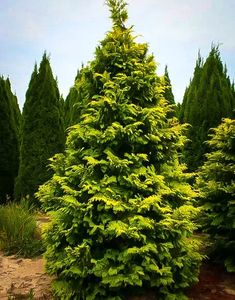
(42, 130)
(27, 141)
(209, 97)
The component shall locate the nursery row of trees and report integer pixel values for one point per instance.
(29, 139)
(123, 202)
(209, 97)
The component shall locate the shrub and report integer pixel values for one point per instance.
(217, 186)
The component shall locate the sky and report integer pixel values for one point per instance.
(70, 30)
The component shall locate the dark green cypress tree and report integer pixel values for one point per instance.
(70, 106)
(216, 183)
(9, 139)
(208, 98)
(42, 130)
(120, 199)
(77, 94)
(168, 94)
(178, 110)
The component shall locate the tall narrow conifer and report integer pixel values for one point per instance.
(120, 199)
(168, 94)
(208, 98)
(42, 130)
(74, 100)
(9, 139)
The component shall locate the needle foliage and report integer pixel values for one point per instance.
(42, 132)
(217, 186)
(209, 97)
(120, 201)
(9, 139)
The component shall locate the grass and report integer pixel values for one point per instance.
(18, 230)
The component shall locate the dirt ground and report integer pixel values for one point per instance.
(214, 284)
(20, 277)
(23, 278)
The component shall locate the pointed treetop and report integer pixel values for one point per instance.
(35, 67)
(118, 11)
(166, 70)
(199, 61)
(45, 60)
(45, 56)
(215, 48)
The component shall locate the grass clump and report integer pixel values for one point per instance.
(18, 230)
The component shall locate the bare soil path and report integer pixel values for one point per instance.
(21, 277)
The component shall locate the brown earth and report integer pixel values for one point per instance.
(20, 277)
(214, 284)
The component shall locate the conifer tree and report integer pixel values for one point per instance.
(9, 139)
(74, 100)
(208, 98)
(216, 183)
(120, 201)
(168, 95)
(70, 100)
(42, 130)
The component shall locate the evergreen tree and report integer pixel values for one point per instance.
(74, 100)
(209, 98)
(70, 105)
(216, 183)
(178, 110)
(168, 95)
(120, 201)
(9, 139)
(42, 130)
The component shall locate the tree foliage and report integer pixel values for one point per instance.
(73, 101)
(9, 139)
(209, 97)
(168, 94)
(42, 130)
(217, 185)
(120, 201)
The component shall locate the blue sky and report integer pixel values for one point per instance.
(69, 30)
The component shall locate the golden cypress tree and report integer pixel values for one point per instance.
(121, 202)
